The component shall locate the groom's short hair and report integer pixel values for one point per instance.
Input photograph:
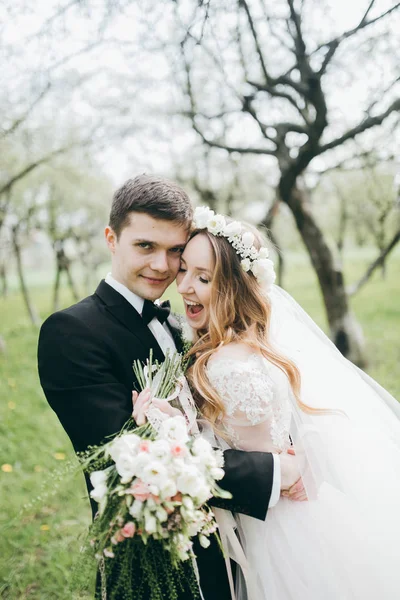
(157, 197)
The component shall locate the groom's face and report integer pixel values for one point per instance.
(146, 256)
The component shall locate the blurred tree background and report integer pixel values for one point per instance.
(285, 114)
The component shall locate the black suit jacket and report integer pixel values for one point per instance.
(85, 358)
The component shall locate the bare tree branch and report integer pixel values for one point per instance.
(41, 161)
(369, 7)
(272, 91)
(25, 115)
(365, 124)
(241, 150)
(377, 263)
(298, 38)
(243, 4)
(363, 23)
(328, 57)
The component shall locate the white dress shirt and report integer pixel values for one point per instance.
(165, 341)
(160, 331)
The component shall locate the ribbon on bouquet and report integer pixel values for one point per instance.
(181, 393)
(233, 549)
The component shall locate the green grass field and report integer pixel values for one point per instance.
(39, 544)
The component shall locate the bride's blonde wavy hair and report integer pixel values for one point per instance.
(239, 311)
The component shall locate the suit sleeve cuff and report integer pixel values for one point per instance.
(276, 483)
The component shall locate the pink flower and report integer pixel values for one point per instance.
(139, 490)
(144, 446)
(117, 537)
(178, 450)
(128, 530)
(109, 553)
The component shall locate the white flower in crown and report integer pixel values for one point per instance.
(254, 253)
(248, 239)
(232, 229)
(263, 270)
(246, 264)
(263, 253)
(202, 215)
(252, 260)
(216, 224)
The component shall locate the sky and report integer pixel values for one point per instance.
(119, 67)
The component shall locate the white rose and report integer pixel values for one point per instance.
(246, 264)
(216, 224)
(169, 489)
(125, 444)
(219, 458)
(201, 447)
(203, 494)
(174, 430)
(98, 477)
(234, 228)
(141, 461)
(153, 489)
(179, 465)
(161, 449)
(125, 465)
(247, 239)
(263, 253)
(202, 215)
(188, 481)
(155, 473)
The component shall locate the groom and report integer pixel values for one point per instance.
(86, 351)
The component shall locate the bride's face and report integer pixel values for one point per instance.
(194, 280)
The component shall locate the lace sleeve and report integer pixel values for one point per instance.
(255, 400)
(245, 388)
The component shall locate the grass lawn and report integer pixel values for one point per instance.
(39, 544)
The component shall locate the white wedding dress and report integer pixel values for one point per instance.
(342, 544)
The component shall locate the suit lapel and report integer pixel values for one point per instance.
(128, 316)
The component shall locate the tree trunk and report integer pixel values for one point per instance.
(4, 281)
(345, 332)
(56, 289)
(24, 290)
(71, 283)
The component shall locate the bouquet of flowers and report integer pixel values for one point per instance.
(152, 485)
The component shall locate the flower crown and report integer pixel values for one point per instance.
(253, 260)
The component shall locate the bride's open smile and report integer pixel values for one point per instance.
(194, 280)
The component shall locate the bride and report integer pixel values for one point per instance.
(265, 378)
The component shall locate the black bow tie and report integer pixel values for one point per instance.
(151, 310)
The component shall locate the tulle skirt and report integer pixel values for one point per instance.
(341, 545)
